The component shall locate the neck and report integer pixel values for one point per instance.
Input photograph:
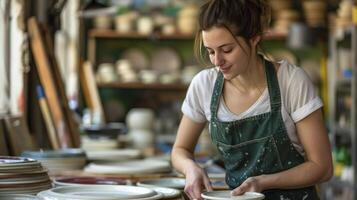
(253, 77)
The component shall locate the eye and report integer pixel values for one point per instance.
(228, 50)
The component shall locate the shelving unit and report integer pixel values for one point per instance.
(95, 35)
(106, 35)
(145, 86)
(343, 120)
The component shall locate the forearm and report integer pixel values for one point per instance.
(182, 159)
(304, 175)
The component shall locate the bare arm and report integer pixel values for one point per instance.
(317, 168)
(183, 159)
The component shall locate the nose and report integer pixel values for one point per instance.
(218, 59)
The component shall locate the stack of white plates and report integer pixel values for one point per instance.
(18, 197)
(100, 143)
(130, 167)
(100, 192)
(59, 160)
(22, 176)
(113, 155)
(80, 181)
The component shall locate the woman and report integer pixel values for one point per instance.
(265, 118)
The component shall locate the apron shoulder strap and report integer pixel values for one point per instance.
(216, 95)
(273, 86)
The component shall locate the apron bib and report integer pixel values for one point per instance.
(257, 145)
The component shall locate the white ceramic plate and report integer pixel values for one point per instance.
(11, 161)
(98, 143)
(8, 163)
(18, 197)
(99, 192)
(129, 167)
(24, 180)
(167, 192)
(137, 58)
(165, 60)
(226, 195)
(80, 181)
(25, 190)
(22, 169)
(176, 183)
(23, 174)
(114, 155)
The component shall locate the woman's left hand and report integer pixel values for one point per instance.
(252, 184)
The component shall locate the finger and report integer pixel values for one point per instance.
(188, 192)
(207, 184)
(239, 190)
(196, 192)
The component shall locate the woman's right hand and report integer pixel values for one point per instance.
(196, 182)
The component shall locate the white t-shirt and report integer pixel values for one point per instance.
(298, 96)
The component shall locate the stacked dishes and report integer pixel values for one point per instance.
(100, 192)
(22, 176)
(18, 197)
(113, 155)
(80, 181)
(129, 167)
(59, 160)
(100, 143)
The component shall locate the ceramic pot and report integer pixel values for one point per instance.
(140, 118)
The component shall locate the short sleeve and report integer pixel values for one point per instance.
(301, 95)
(198, 95)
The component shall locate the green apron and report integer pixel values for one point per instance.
(257, 145)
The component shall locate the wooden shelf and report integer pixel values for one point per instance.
(145, 86)
(112, 34)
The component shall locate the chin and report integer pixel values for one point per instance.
(228, 76)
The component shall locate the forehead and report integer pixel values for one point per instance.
(217, 36)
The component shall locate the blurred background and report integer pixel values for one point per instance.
(109, 77)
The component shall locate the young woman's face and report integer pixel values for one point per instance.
(224, 51)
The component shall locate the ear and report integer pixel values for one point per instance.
(255, 40)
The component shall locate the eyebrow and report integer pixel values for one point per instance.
(223, 45)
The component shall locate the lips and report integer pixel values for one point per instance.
(225, 69)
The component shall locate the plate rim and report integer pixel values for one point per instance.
(203, 195)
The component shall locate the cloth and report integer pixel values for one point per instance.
(298, 96)
(257, 145)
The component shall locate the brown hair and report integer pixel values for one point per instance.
(244, 18)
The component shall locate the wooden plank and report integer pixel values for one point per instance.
(91, 87)
(18, 135)
(85, 87)
(48, 82)
(4, 148)
(69, 115)
(51, 131)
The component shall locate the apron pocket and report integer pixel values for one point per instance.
(251, 158)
